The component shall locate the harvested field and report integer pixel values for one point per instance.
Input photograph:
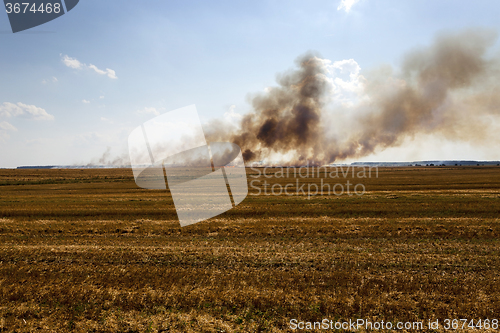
(89, 251)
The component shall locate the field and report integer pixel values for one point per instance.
(89, 251)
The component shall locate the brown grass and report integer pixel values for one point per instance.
(88, 251)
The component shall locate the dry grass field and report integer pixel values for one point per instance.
(89, 251)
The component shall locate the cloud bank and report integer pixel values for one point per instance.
(9, 110)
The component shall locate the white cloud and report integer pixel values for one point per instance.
(5, 126)
(146, 110)
(75, 64)
(72, 62)
(97, 70)
(109, 72)
(84, 101)
(232, 117)
(14, 110)
(101, 97)
(347, 5)
(347, 84)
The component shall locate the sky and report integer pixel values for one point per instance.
(73, 89)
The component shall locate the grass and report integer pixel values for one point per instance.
(88, 251)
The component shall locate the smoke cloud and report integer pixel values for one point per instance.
(450, 88)
(106, 159)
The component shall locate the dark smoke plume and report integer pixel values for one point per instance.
(451, 88)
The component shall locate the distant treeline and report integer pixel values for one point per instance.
(38, 167)
(73, 166)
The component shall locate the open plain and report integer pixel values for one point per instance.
(88, 251)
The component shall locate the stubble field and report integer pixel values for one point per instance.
(89, 251)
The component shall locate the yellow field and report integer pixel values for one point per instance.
(89, 251)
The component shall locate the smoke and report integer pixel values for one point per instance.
(285, 118)
(106, 159)
(449, 89)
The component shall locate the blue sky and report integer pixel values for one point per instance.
(75, 87)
